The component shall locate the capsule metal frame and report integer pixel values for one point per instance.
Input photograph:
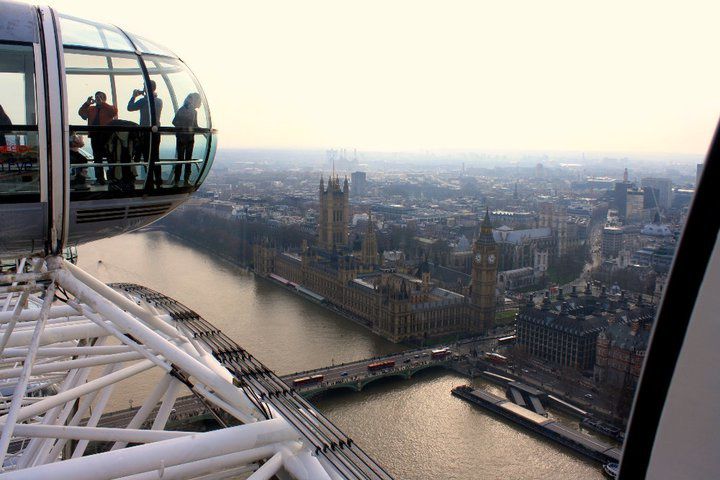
(54, 215)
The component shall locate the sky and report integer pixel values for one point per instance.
(413, 75)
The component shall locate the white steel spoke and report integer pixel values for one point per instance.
(98, 434)
(63, 358)
(20, 389)
(165, 408)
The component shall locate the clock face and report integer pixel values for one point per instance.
(478, 258)
(491, 259)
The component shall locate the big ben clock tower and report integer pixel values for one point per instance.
(484, 278)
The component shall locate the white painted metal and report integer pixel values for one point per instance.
(14, 414)
(58, 162)
(97, 434)
(269, 468)
(172, 452)
(67, 365)
(57, 311)
(167, 404)
(48, 342)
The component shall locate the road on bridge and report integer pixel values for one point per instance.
(407, 360)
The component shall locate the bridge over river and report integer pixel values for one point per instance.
(350, 375)
(355, 375)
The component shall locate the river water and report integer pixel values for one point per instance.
(414, 428)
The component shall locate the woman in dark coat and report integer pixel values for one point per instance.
(186, 117)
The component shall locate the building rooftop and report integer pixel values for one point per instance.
(621, 336)
(507, 235)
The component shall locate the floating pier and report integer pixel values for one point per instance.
(548, 428)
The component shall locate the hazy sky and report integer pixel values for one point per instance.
(407, 75)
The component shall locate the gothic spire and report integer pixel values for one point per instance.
(486, 235)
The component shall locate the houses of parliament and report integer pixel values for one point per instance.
(402, 306)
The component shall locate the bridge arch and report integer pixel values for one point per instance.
(397, 374)
(421, 368)
(353, 386)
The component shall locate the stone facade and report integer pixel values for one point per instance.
(577, 330)
(403, 304)
(334, 214)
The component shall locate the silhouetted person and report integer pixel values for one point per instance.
(124, 145)
(4, 122)
(186, 117)
(143, 105)
(79, 180)
(98, 113)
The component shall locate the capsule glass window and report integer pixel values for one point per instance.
(117, 76)
(175, 84)
(19, 169)
(85, 33)
(148, 46)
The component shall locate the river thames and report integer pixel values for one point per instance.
(415, 428)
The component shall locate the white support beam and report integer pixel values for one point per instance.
(100, 405)
(30, 314)
(163, 413)
(120, 335)
(15, 316)
(68, 395)
(118, 299)
(85, 402)
(70, 364)
(269, 468)
(212, 398)
(302, 465)
(96, 434)
(14, 414)
(42, 454)
(20, 268)
(164, 454)
(15, 278)
(50, 417)
(223, 463)
(226, 390)
(144, 412)
(69, 350)
(58, 333)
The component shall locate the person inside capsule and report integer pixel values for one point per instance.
(98, 113)
(79, 174)
(186, 118)
(142, 104)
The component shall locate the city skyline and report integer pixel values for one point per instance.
(353, 310)
(406, 76)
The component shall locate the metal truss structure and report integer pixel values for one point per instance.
(68, 343)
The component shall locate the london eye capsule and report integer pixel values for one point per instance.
(101, 131)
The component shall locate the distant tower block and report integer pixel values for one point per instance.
(359, 183)
(484, 278)
(539, 171)
(334, 214)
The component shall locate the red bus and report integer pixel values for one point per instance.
(495, 358)
(298, 382)
(380, 365)
(440, 353)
